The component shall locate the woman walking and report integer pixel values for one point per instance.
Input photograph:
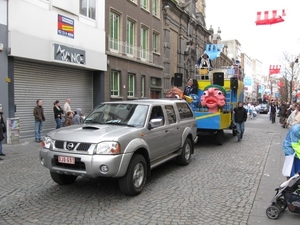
(58, 113)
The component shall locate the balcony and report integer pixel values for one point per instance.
(125, 49)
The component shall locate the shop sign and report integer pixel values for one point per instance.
(65, 26)
(67, 54)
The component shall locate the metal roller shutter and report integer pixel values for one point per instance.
(34, 81)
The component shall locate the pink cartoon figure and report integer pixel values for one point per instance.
(213, 97)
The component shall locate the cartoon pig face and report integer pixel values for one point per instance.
(213, 98)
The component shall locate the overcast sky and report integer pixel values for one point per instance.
(236, 19)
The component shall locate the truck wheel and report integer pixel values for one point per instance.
(185, 157)
(62, 179)
(134, 180)
(220, 137)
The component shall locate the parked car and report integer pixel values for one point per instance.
(264, 108)
(123, 140)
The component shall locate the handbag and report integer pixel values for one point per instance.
(288, 165)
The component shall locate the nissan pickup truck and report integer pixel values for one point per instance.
(122, 140)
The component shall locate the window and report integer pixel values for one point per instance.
(88, 8)
(133, 1)
(131, 83)
(155, 42)
(114, 30)
(155, 7)
(115, 83)
(157, 113)
(143, 80)
(184, 111)
(170, 114)
(144, 4)
(130, 37)
(144, 42)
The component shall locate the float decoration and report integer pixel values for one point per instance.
(213, 97)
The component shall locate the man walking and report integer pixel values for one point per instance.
(240, 117)
(39, 117)
(273, 110)
(67, 106)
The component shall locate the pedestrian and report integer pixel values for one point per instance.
(58, 114)
(273, 110)
(190, 88)
(291, 148)
(39, 117)
(77, 118)
(296, 116)
(282, 113)
(2, 132)
(251, 110)
(69, 119)
(240, 117)
(294, 110)
(67, 106)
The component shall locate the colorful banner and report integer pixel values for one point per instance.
(65, 26)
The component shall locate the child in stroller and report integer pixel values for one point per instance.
(287, 196)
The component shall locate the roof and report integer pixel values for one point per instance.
(148, 101)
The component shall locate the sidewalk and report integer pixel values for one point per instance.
(271, 179)
(23, 149)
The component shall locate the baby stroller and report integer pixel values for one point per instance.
(287, 196)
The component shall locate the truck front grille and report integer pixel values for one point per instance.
(72, 146)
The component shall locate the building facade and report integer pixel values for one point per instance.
(233, 49)
(185, 38)
(134, 49)
(56, 50)
(3, 58)
(258, 76)
(246, 63)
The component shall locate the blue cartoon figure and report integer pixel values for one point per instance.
(195, 101)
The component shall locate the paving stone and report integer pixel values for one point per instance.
(219, 186)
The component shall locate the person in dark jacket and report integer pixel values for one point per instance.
(273, 109)
(2, 132)
(58, 113)
(39, 118)
(240, 117)
(190, 88)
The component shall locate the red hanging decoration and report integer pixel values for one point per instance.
(274, 69)
(269, 21)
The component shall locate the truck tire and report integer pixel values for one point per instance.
(185, 157)
(62, 179)
(135, 178)
(219, 137)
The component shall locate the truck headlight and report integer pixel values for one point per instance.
(48, 143)
(107, 148)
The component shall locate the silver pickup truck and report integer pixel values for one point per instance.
(123, 140)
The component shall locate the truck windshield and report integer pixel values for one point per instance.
(132, 115)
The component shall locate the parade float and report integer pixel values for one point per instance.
(220, 90)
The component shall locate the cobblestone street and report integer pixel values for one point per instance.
(219, 186)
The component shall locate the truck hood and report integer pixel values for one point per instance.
(91, 133)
